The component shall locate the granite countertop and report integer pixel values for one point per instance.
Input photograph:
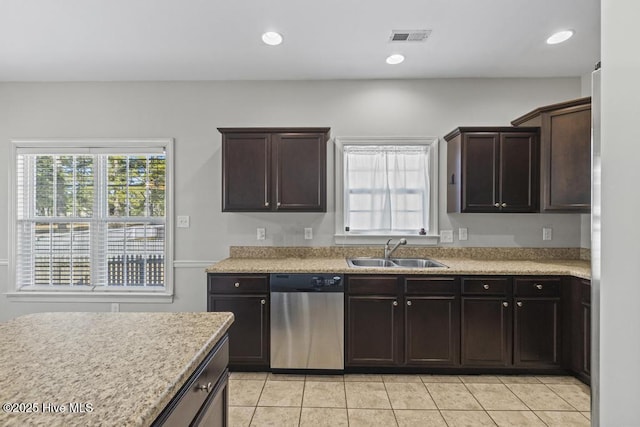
(569, 267)
(127, 366)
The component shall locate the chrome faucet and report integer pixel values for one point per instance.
(388, 252)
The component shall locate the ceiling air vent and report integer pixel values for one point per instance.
(409, 35)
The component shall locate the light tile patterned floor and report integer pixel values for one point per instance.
(261, 399)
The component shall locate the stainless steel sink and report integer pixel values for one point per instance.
(370, 262)
(417, 263)
(395, 263)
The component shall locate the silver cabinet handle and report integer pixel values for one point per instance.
(237, 284)
(278, 204)
(519, 303)
(206, 388)
(506, 304)
(263, 301)
(266, 204)
(504, 205)
(485, 286)
(395, 303)
(497, 205)
(538, 286)
(408, 302)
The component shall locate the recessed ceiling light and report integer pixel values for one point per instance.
(272, 38)
(560, 37)
(395, 59)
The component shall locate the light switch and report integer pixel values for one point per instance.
(446, 236)
(183, 221)
(308, 233)
(261, 233)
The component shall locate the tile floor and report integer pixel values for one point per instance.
(261, 399)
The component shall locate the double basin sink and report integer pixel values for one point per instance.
(395, 263)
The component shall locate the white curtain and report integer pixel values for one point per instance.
(386, 188)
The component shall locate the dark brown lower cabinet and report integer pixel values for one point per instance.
(249, 333)
(537, 332)
(203, 400)
(486, 332)
(246, 296)
(373, 330)
(537, 322)
(216, 409)
(576, 298)
(586, 340)
(398, 321)
(432, 330)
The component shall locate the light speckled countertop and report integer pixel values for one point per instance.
(128, 366)
(568, 267)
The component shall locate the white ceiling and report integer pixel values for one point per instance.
(84, 40)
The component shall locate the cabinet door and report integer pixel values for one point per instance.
(300, 171)
(486, 332)
(518, 172)
(373, 331)
(585, 297)
(479, 171)
(246, 172)
(537, 332)
(215, 411)
(432, 330)
(249, 333)
(566, 160)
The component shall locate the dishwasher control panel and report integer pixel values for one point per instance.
(283, 282)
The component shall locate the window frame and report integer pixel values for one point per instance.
(93, 294)
(343, 237)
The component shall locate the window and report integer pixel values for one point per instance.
(386, 186)
(92, 217)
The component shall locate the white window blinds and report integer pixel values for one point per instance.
(386, 188)
(90, 218)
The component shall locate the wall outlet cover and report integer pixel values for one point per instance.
(547, 233)
(183, 221)
(462, 234)
(446, 236)
(308, 233)
(115, 307)
(261, 233)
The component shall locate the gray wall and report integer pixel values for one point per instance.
(191, 111)
(620, 266)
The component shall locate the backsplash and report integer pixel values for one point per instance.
(411, 252)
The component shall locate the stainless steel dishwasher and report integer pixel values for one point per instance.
(307, 321)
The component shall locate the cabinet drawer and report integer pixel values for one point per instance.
(368, 285)
(537, 286)
(485, 285)
(188, 401)
(431, 285)
(240, 284)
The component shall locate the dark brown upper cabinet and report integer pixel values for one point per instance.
(565, 141)
(274, 169)
(492, 169)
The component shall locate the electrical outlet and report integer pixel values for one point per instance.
(547, 233)
(446, 236)
(462, 234)
(308, 233)
(115, 307)
(261, 233)
(183, 221)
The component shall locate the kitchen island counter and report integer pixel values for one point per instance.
(100, 368)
